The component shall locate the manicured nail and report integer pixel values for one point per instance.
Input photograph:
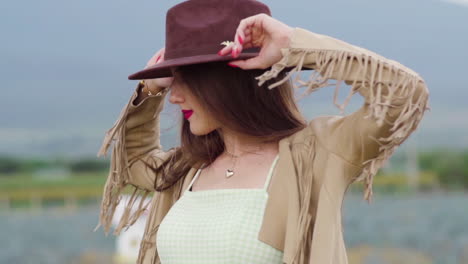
(219, 53)
(241, 41)
(233, 65)
(157, 59)
(235, 52)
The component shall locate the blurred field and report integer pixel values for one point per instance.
(23, 190)
(27, 191)
(48, 208)
(403, 229)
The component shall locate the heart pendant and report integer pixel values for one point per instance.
(229, 173)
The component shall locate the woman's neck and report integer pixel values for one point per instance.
(238, 144)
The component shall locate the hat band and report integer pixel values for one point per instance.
(191, 52)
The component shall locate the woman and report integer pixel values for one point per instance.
(252, 182)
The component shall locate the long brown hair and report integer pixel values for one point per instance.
(247, 108)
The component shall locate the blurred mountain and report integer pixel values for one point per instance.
(64, 65)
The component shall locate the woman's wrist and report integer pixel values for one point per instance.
(150, 87)
(144, 91)
(141, 94)
(287, 37)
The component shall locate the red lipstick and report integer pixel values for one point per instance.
(187, 113)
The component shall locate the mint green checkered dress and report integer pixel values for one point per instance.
(216, 226)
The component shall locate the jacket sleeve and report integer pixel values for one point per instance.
(395, 97)
(136, 141)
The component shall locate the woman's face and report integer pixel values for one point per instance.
(201, 121)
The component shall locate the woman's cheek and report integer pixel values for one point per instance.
(201, 125)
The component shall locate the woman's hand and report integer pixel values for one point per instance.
(154, 85)
(262, 31)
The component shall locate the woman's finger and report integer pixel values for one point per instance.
(243, 44)
(243, 37)
(158, 56)
(252, 63)
(244, 28)
(163, 53)
(226, 50)
(239, 37)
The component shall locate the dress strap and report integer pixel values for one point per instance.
(270, 173)
(194, 178)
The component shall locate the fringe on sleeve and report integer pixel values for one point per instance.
(391, 84)
(117, 180)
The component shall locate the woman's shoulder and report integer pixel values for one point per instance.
(323, 135)
(320, 128)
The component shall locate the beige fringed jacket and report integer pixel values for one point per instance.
(316, 165)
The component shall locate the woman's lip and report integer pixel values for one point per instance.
(187, 113)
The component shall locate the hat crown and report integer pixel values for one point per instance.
(197, 27)
(195, 30)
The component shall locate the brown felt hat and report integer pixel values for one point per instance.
(195, 30)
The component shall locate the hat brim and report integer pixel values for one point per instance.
(163, 69)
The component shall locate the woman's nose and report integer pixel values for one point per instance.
(176, 97)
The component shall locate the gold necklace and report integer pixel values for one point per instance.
(230, 172)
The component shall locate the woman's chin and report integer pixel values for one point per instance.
(197, 131)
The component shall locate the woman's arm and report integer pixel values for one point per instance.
(135, 135)
(136, 144)
(395, 96)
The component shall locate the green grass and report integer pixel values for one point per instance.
(24, 187)
(398, 183)
(21, 189)
(20, 181)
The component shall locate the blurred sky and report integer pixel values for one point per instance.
(64, 64)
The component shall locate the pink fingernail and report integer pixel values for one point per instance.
(233, 65)
(219, 52)
(235, 51)
(157, 59)
(241, 41)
